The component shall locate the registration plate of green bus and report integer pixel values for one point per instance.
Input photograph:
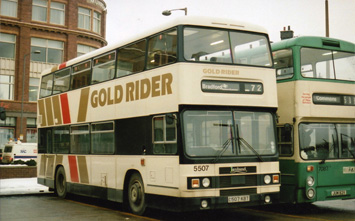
(339, 193)
(237, 199)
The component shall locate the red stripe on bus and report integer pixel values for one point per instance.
(63, 65)
(74, 175)
(65, 108)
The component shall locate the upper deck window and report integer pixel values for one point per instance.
(81, 75)
(61, 81)
(283, 62)
(220, 46)
(327, 64)
(46, 85)
(131, 58)
(162, 49)
(103, 68)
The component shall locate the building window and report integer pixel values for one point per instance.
(7, 45)
(51, 51)
(97, 23)
(31, 130)
(7, 130)
(33, 89)
(39, 10)
(84, 18)
(83, 49)
(6, 87)
(57, 13)
(8, 8)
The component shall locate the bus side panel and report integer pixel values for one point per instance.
(288, 180)
(287, 99)
(335, 180)
(162, 175)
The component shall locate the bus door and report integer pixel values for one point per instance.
(47, 160)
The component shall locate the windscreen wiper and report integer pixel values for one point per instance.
(226, 143)
(352, 142)
(246, 144)
(326, 157)
(224, 148)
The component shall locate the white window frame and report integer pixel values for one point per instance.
(84, 18)
(61, 10)
(34, 4)
(46, 46)
(11, 84)
(97, 22)
(4, 11)
(9, 42)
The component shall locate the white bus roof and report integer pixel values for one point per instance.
(183, 20)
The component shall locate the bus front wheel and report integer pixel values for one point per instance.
(136, 196)
(60, 183)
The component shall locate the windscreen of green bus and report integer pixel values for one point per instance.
(322, 141)
(228, 133)
(327, 64)
(230, 47)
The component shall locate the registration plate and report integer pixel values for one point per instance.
(237, 199)
(339, 193)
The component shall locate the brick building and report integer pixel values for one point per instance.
(37, 35)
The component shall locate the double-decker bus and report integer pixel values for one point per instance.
(316, 130)
(181, 118)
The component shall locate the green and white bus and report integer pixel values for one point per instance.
(179, 118)
(316, 129)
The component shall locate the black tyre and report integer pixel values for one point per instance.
(60, 183)
(136, 196)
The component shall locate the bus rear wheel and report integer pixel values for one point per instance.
(136, 196)
(60, 183)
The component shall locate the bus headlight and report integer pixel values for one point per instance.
(310, 180)
(267, 179)
(311, 193)
(267, 199)
(206, 182)
(204, 204)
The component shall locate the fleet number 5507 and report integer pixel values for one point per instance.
(201, 168)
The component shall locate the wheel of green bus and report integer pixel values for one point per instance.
(60, 183)
(136, 196)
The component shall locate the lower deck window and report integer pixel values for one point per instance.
(164, 135)
(321, 141)
(103, 138)
(80, 139)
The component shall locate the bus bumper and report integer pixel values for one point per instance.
(208, 203)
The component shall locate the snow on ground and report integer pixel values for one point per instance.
(20, 186)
